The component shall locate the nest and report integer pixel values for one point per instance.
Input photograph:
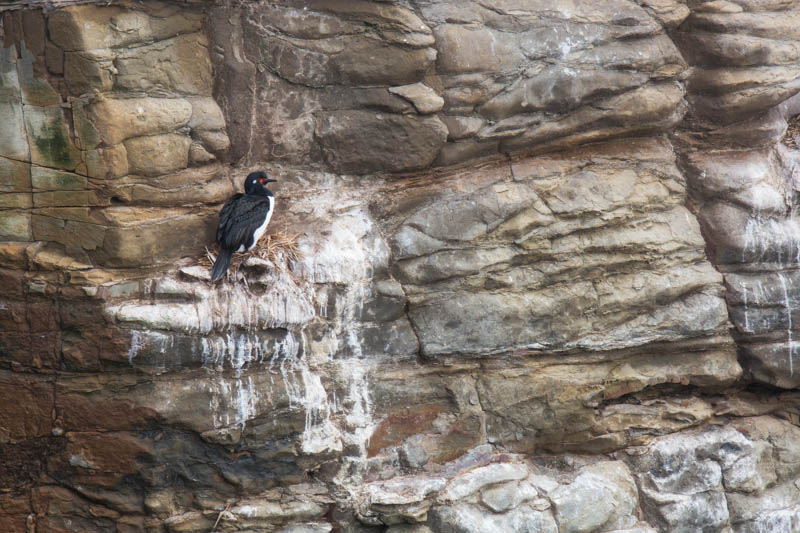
(792, 136)
(279, 248)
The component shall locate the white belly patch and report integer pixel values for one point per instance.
(261, 229)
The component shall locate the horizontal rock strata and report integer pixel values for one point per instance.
(519, 252)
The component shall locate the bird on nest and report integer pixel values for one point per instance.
(243, 220)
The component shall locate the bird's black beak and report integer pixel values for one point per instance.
(269, 181)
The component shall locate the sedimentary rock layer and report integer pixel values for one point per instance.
(525, 246)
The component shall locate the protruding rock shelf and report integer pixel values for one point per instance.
(542, 273)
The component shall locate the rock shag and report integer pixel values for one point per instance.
(243, 220)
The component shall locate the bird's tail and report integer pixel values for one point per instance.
(221, 264)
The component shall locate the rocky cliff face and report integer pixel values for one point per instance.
(538, 272)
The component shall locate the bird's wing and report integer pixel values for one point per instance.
(239, 218)
(225, 215)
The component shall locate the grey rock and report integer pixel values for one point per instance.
(474, 480)
(602, 496)
(392, 65)
(771, 363)
(459, 127)
(475, 49)
(467, 518)
(503, 497)
(639, 528)
(404, 490)
(454, 153)
(411, 242)
(409, 528)
(307, 528)
(361, 141)
(453, 263)
(424, 98)
(685, 477)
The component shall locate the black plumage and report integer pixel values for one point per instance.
(242, 220)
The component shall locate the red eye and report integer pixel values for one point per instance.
(261, 181)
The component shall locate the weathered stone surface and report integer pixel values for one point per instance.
(49, 140)
(46, 179)
(683, 478)
(104, 163)
(360, 141)
(34, 88)
(487, 65)
(418, 330)
(13, 139)
(176, 234)
(15, 176)
(473, 481)
(423, 97)
(179, 65)
(492, 212)
(88, 28)
(463, 518)
(157, 154)
(603, 496)
(206, 114)
(121, 119)
(88, 71)
(16, 226)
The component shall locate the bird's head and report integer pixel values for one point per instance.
(255, 183)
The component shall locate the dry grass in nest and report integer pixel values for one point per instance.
(279, 248)
(790, 138)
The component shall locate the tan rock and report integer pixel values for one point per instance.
(104, 163)
(119, 119)
(34, 88)
(158, 241)
(46, 179)
(15, 226)
(457, 152)
(724, 80)
(214, 191)
(423, 97)
(15, 176)
(178, 65)
(157, 154)
(53, 256)
(13, 137)
(654, 107)
(16, 200)
(199, 155)
(86, 72)
(61, 199)
(478, 49)
(84, 27)
(76, 233)
(719, 6)
(216, 142)
(206, 114)
(13, 254)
